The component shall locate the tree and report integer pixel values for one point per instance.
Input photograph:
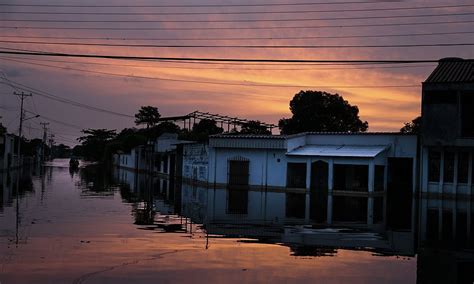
(94, 143)
(148, 115)
(202, 130)
(321, 112)
(207, 126)
(254, 127)
(413, 127)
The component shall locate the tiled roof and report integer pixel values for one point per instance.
(453, 70)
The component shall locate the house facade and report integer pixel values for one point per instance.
(448, 129)
(317, 170)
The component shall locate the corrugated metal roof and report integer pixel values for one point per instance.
(453, 70)
(349, 133)
(248, 136)
(339, 151)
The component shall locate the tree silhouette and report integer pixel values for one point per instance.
(321, 112)
(148, 115)
(94, 142)
(413, 127)
(254, 127)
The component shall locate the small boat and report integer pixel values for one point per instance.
(73, 163)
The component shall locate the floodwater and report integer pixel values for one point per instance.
(98, 226)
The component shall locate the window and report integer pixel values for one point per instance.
(165, 164)
(351, 177)
(239, 173)
(434, 165)
(448, 167)
(463, 167)
(296, 175)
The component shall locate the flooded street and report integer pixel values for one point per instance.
(92, 226)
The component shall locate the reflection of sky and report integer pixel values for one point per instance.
(66, 236)
(384, 108)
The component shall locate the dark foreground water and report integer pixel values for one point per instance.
(93, 226)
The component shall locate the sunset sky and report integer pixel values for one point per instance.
(178, 88)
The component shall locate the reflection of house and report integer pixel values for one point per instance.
(448, 128)
(7, 155)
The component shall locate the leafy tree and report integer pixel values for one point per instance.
(94, 143)
(321, 111)
(254, 127)
(413, 127)
(148, 115)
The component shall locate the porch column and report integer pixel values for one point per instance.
(307, 207)
(469, 175)
(371, 176)
(370, 210)
(308, 174)
(424, 169)
(455, 178)
(329, 209)
(169, 164)
(330, 176)
(441, 173)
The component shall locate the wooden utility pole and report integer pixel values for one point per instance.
(22, 96)
(45, 130)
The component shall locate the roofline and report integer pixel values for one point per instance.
(248, 136)
(350, 133)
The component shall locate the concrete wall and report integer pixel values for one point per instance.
(267, 166)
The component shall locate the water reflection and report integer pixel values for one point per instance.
(431, 237)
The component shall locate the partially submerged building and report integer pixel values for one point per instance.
(325, 166)
(447, 134)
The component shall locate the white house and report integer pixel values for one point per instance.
(358, 162)
(327, 167)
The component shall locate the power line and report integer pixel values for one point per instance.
(239, 46)
(234, 12)
(221, 68)
(201, 5)
(201, 59)
(239, 20)
(56, 121)
(220, 82)
(243, 38)
(238, 28)
(66, 101)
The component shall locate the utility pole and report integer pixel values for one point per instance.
(51, 141)
(22, 96)
(45, 130)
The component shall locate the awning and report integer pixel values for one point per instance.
(339, 151)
